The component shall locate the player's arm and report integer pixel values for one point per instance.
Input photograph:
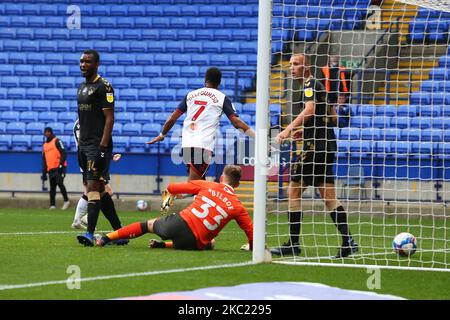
(246, 224)
(305, 115)
(184, 188)
(167, 126)
(108, 112)
(182, 108)
(237, 122)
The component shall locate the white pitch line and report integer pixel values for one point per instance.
(126, 275)
(34, 233)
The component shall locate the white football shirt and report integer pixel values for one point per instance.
(203, 108)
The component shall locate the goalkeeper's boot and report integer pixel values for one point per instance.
(167, 201)
(287, 249)
(153, 244)
(86, 239)
(347, 249)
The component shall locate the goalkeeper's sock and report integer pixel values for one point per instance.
(93, 212)
(109, 210)
(131, 231)
(339, 217)
(295, 222)
(82, 208)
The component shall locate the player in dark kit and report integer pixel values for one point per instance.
(96, 117)
(313, 163)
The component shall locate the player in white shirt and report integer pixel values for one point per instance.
(203, 108)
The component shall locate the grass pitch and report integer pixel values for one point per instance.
(38, 246)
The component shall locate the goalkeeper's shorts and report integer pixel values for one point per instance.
(314, 168)
(173, 227)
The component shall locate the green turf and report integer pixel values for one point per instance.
(42, 257)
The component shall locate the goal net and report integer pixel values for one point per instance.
(384, 66)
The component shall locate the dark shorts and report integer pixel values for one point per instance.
(86, 161)
(198, 159)
(173, 227)
(313, 168)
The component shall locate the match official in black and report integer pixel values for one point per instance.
(314, 164)
(96, 117)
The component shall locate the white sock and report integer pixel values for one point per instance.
(81, 211)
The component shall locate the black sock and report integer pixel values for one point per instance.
(93, 211)
(144, 227)
(109, 210)
(295, 222)
(339, 217)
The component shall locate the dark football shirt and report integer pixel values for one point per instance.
(93, 98)
(318, 133)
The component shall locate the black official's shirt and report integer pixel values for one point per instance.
(318, 133)
(93, 98)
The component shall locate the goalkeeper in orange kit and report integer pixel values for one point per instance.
(195, 227)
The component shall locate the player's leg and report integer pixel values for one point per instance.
(339, 216)
(130, 231)
(81, 209)
(52, 182)
(295, 215)
(108, 208)
(62, 188)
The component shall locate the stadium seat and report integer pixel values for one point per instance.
(122, 83)
(121, 144)
(117, 129)
(155, 106)
(9, 82)
(47, 116)
(350, 133)
(5, 142)
(67, 117)
(59, 71)
(2, 127)
(420, 123)
(135, 106)
(162, 59)
(143, 118)
(36, 128)
(15, 128)
(440, 123)
(361, 122)
(29, 82)
(124, 117)
(68, 128)
(171, 71)
(400, 122)
(17, 93)
(54, 93)
(151, 129)
(40, 105)
(6, 105)
(21, 105)
(138, 144)
(372, 134)
(131, 129)
(409, 135)
(151, 71)
(9, 116)
(432, 135)
(147, 94)
(420, 98)
(407, 111)
(20, 142)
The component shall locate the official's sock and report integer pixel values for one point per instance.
(93, 211)
(109, 210)
(339, 217)
(295, 222)
(82, 208)
(130, 231)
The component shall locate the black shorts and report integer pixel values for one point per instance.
(313, 168)
(86, 157)
(198, 159)
(173, 227)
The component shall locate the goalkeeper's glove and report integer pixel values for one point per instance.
(167, 201)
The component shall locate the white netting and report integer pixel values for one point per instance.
(393, 134)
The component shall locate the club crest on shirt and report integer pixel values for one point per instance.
(193, 126)
(110, 97)
(309, 92)
(91, 91)
(85, 91)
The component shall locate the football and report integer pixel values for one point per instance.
(405, 244)
(141, 205)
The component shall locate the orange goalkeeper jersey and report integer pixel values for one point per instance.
(214, 206)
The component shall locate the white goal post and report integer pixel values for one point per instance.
(391, 127)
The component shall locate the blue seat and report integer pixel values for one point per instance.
(59, 71)
(10, 82)
(437, 31)
(47, 82)
(6, 70)
(179, 22)
(121, 143)
(367, 110)
(22, 21)
(58, 128)
(140, 83)
(420, 123)
(151, 71)
(147, 94)
(409, 135)
(360, 148)
(372, 134)
(144, 117)
(161, 118)
(47, 116)
(96, 34)
(24, 33)
(2, 127)
(421, 149)
(149, 34)
(117, 129)
(5, 142)
(168, 34)
(124, 117)
(20, 142)
(441, 123)
(155, 106)
(432, 135)
(151, 129)
(69, 94)
(182, 59)
(178, 83)
(116, 71)
(40, 105)
(163, 59)
(350, 133)
(128, 94)
(153, 10)
(18, 58)
(195, 83)
(54, 93)
(193, 47)
(3, 93)
(68, 128)
(131, 129)
(136, 46)
(36, 128)
(407, 111)
(67, 117)
(136, 106)
(391, 134)
(138, 144)
(361, 122)
(146, 60)
(166, 94)
(37, 140)
(400, 122)
(15, 93)
(420, 98)
(401, 148)
(180, 95)
(136, 10)
(122, 83)
(15, 128)
(12, 45)
(161, 23)
(9, 116)
(21, 105)
(249, 108)
(6, 105)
